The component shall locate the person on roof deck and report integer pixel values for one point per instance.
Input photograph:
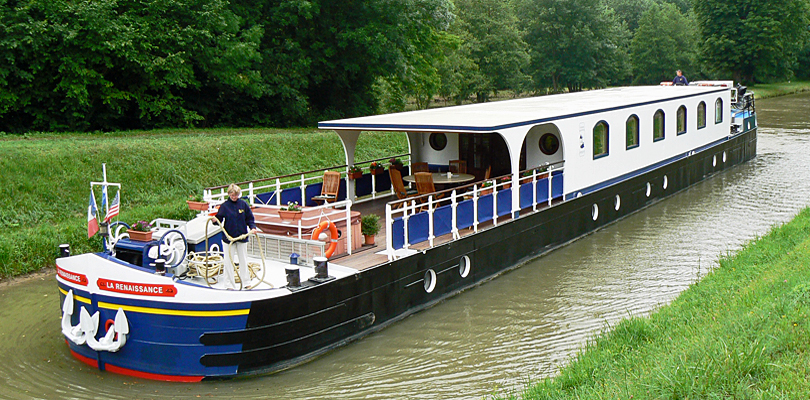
(680, 80)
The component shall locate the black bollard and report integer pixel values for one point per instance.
(64, 250)
(293, 277)
(160, 266)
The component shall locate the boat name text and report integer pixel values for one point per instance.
(143, 289)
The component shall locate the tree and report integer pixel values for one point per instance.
(752, 40)
(495, 43)
(119, 64)
(665, 40)
(630, 11)
(575, 44)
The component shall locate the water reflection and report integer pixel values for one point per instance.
(521, 326)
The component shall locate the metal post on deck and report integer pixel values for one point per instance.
(278, 192)
(251, 196)
(430, 220)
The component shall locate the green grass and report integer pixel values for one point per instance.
(765, 90)
(740, 333)
(45, 177)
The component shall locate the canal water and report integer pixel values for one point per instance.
(519, 327)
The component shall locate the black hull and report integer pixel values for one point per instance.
(286, 331)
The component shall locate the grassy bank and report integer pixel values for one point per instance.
(741, 332)
(765, 90)
(45, 178)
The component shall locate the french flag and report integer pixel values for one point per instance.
(92, 222)
(113, 211)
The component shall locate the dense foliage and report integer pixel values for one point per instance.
(106, 65)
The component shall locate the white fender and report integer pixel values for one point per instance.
(73, 333)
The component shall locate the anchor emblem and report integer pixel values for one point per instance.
(85, 331)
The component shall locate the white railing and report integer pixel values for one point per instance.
(275, 185)
(279, 248)
(429, 203)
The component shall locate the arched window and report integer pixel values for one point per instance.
(701, 115)
(681, 118)
(658, 126)
(631, 132)
(600, 139)
(718, 111)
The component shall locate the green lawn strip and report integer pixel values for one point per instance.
(45, 178)
(765, 90)
(741, 332)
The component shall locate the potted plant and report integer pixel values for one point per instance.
(375, 168)
(292, 212)
(369, 226)
(505, 182)
(486, 188)
(396, 164)
(140, 231)
(355, 172)
(197, 203)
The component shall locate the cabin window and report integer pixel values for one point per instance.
(438, 141)
(718, 111)
(658, 126)
(701, 115)
(681, 118)
(549, 144)
(600, 139)
(632, 132)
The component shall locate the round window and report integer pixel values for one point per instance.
(430, 280)
(549, 144)
(438, 141)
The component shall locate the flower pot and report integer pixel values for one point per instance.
(377, 171)
(369, 240)
(197, 205)
(139, 236)
(506, 185)
(355, 175)
(484, 192)
(290, 216)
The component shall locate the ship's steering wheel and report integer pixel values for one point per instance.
(172, 248)
(117, 231)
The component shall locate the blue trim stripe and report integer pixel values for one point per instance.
(346, 125)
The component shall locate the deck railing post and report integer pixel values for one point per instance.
(405, 243)
(550, 187)
(494, 204)
(349, 242)
(454, 204)
(475, 208)
(389, 232)
(251, 196)
(303, 187)
(278, 191)
(430, 220)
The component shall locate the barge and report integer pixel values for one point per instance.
(521, 178)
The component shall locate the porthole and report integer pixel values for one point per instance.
(438, 141)
(724, 156)
(649, 189)
(714, 161)
(666, 181)
(617, 203)
(549, 144)
(595, 212)
(464, 266)
(430, 280)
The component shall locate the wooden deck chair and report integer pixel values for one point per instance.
(419, 167)
(424, 185)
(458, 166)
(399, 187)
(488, 174)
(329, 190)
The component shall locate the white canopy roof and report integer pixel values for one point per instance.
(494, 116)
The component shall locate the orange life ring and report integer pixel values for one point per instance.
(333, 229)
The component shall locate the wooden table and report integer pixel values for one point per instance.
(440, 178)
